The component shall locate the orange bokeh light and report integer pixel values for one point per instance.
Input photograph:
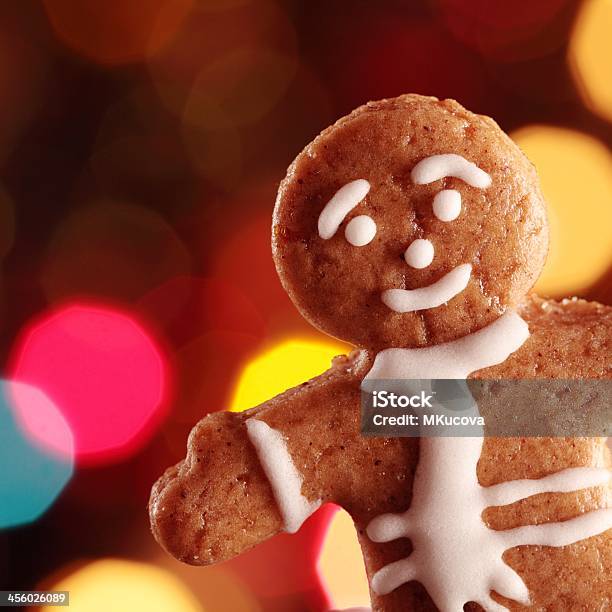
(590, 56)
(116, 32)
(213, 41)
(340, 565)
(575, 170)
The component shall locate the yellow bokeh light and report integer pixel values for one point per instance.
(285, 365)
(590, 55)
(576, 174)
(341, 566)
(217, 586)
(125, 586)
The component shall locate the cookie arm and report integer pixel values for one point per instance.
(226, 497)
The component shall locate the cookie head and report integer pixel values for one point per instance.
(407, 223)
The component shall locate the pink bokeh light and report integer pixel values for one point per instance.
(41, 421)
(106, 373)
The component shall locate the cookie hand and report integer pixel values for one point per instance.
(217, 502)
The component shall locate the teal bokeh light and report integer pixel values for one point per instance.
(36, 453)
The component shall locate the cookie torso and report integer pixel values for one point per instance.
(568, 340)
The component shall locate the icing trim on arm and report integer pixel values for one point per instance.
(565, 481)
(284, 478)
(436, 167)
(343, 201)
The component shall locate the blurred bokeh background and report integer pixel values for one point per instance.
(141, 146)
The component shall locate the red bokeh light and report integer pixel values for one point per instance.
(295, 557)
(209, 367)
(186, 307)
(398, 55)
(245, 259)
(500, 32)
(103, 370)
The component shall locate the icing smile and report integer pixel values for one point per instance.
(436, 294)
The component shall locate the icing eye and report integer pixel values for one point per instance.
(419, 254)
(360, 230)
(447, 205)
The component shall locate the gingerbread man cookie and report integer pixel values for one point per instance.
(414, 229)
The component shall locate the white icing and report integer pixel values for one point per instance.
(436, 167)
(343, 201)
(486, 347)
(444, 519)
(447, 204)
(419, 254)
(445, 526)
(436, 294)
(360, 230)
(285, 480)
(565, 481)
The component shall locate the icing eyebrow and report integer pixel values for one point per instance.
(436, 167)
(343, 201)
